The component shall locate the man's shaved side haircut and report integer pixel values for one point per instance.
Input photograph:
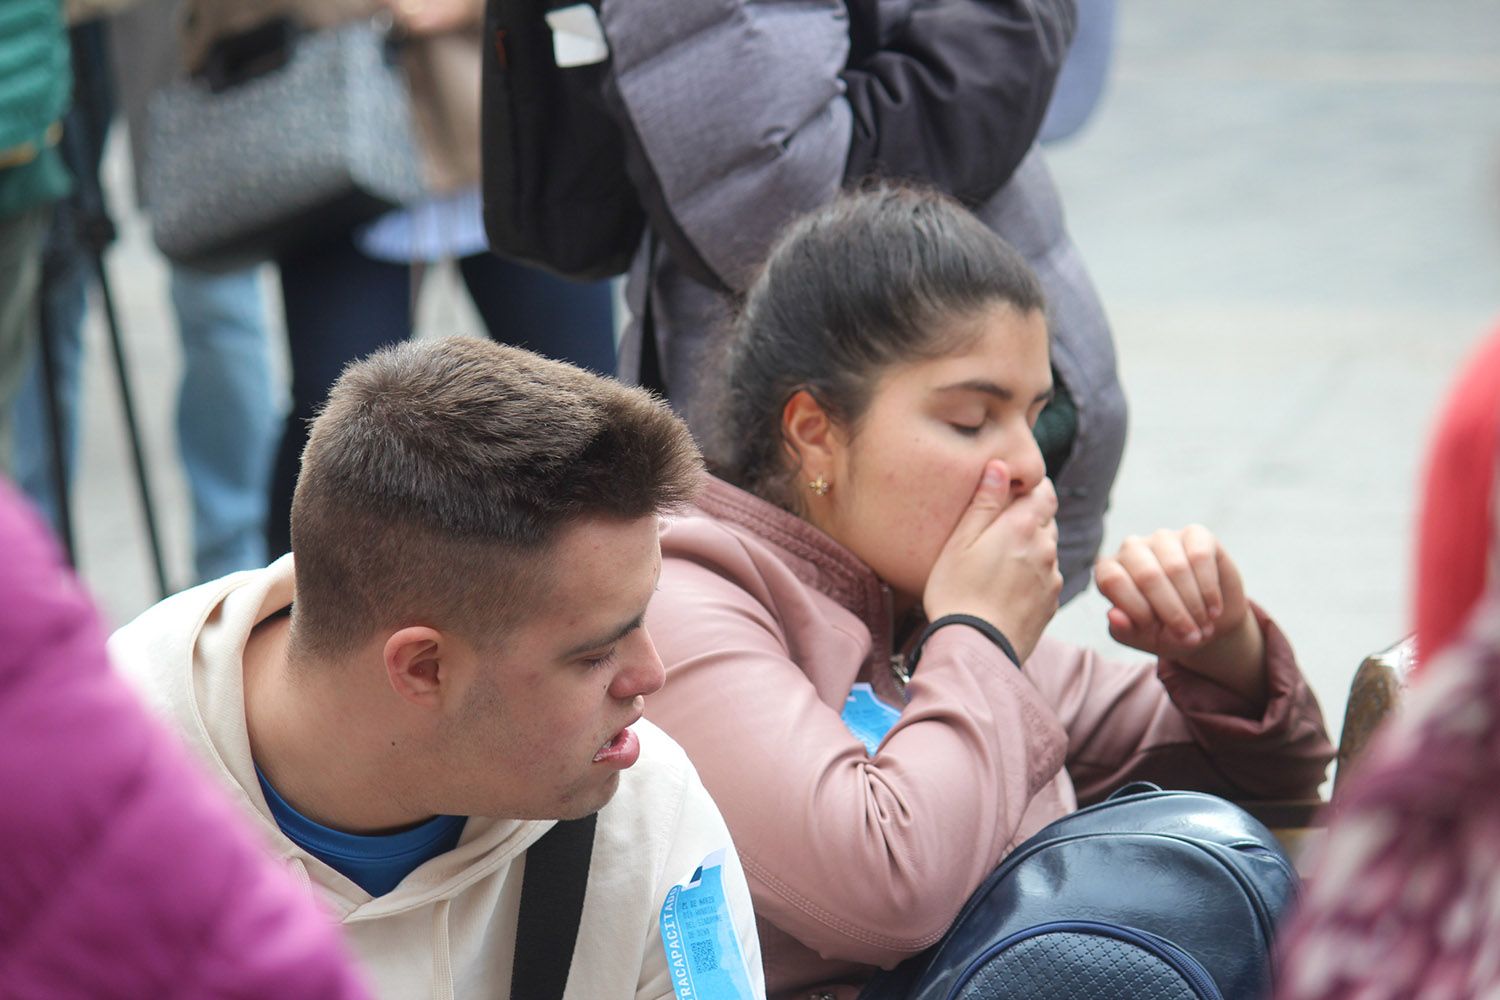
(439, 473)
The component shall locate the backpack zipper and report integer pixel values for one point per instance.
(1179, 961)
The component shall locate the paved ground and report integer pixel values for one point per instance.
(1291, 211)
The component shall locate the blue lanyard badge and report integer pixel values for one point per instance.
(703, 950)
(868, 717)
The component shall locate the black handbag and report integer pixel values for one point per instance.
(1150, 895)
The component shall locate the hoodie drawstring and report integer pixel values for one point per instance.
(442, 959)
(298, 866)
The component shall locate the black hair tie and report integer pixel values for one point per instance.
(984, 628)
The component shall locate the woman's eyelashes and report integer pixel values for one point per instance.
(602, 660)
(972, 426)
(968, 424)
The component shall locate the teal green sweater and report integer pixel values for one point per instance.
(35, 78)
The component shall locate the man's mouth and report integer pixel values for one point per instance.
(612, 744)
(621, 749)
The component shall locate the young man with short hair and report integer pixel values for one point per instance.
(453, 658)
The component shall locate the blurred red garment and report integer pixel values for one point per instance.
(1457, 511)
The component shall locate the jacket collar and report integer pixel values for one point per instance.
(813, 557)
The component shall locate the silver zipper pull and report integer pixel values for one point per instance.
(899, 671)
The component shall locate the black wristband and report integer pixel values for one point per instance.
(983, 627)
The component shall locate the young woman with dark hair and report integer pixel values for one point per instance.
(851, 618)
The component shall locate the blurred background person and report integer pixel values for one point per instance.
(34, 86)
(1085, 72)
(354, 291)
(227, 403)
(1405, 900)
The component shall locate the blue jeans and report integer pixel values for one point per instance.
(20, 273)
(63, 299)
(227, 416)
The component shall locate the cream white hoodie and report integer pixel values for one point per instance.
(448, 930)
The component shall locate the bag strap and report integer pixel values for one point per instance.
(649, 374)
(552, 890)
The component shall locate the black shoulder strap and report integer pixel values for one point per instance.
(649, 374)
(552, 890)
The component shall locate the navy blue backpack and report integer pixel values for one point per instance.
(1150, 895)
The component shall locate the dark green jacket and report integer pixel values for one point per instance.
(35, 77)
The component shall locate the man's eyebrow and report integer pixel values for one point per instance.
(608, 640)
(994, 389)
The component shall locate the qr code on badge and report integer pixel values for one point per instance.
(705, 956)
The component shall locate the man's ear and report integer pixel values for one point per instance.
(419, 663)
(811, 436)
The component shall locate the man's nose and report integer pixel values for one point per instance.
(642, 673)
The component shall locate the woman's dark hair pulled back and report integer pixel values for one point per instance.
(875, 278)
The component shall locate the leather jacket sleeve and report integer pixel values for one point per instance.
(1158, 721)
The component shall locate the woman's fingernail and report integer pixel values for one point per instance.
(992, 476)
(1194, 637)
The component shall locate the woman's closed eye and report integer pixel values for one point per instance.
(602, 659)
(968, 421)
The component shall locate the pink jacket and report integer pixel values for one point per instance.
(123, 872)
(854, 861)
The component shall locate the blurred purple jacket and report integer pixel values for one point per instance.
(122, 873)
